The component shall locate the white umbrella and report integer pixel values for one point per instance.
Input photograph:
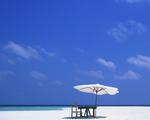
(97, 89)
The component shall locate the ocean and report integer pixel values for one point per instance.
(30, 108)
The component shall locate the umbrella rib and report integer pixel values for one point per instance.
(103, 89)
(86, 87)
(106, 91)
(94, 89)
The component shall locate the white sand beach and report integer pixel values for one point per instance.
(103, 113)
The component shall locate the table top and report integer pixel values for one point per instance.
(87, 106)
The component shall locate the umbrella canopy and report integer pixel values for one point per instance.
(97, 89)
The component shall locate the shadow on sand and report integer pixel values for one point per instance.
(85, 117)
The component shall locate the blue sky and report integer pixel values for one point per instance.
(47, 47)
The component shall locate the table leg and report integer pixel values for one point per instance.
(85, 113)
(80, 112)
(94, 113)
(89, 112)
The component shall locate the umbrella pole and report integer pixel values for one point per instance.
(96, 99)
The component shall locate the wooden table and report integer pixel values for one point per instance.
(86, 111)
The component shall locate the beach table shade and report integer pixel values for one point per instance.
(97, 89)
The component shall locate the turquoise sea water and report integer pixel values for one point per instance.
(42, 108)
(29, 108)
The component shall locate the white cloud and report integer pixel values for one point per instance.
(22, 51)
(140, 61)
(38, 75)
(47, 53)
(124, 30)
(28, 52)
(106, 63)
(134, 1)
(129, 75)
(6, 75)
(95, 74)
